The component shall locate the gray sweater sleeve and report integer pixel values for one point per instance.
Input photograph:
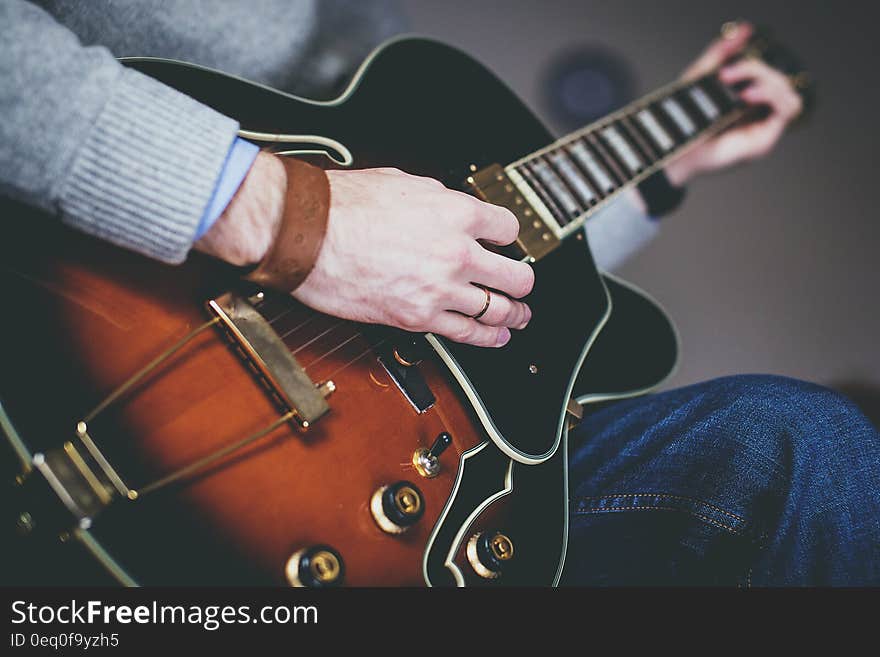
(618, 231)
(106, 149)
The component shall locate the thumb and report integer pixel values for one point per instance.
(720, 50)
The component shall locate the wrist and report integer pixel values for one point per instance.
(299, 237)
(245, 230)
(660, 195)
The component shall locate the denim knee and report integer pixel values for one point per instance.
(777, 478)
(820, 522)
(750, 444)
(783, 417)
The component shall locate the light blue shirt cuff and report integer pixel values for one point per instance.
(238, 162)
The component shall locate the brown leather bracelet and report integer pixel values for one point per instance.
(294, 251)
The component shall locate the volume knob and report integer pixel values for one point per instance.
(318, 566)
(488, 553)
(397, 507)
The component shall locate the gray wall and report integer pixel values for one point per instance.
(767, 268)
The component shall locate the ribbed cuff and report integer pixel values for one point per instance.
(146, 172)
(660, 196)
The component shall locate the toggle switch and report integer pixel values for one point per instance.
(427, 461)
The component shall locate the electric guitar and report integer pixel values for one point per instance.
(176, 426)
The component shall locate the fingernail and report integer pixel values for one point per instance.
(503, 337)
(729, 29)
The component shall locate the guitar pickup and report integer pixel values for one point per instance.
(405, 373)
(271, 358)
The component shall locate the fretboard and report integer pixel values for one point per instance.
(572, 178)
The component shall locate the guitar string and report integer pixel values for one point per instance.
(295, 350)
(317, 337)
(366, 352)
(314, 316)
(227, 449)
(307, 321)
(311, 318)
(299, 326)
(287, 311)
(196, 465)
(336, 348)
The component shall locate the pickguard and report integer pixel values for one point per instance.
(484, 475)
(520, 390)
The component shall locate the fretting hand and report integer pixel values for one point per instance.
(767, 87)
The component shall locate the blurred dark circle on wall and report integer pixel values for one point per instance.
(583, 83)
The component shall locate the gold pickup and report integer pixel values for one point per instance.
(535, 239)
(271, 357)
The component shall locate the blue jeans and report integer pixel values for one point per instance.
(745, 480)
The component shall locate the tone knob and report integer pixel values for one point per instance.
(318, 566)
(397, 507)
(489, 553)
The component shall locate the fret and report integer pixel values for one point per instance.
(652, 126)
(588, 162)
(606, 159)
(554, 184)
(667, 125)
(566, 181)
(704, 103)
(635, 135)
(543, 194)
(725, 97)
(690, 106)
(682, 121)
(570, 174)
(621, 148)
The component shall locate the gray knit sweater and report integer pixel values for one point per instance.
(120, 156)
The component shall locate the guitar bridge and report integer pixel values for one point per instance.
(272, 359)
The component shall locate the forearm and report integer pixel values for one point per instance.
(104, 148)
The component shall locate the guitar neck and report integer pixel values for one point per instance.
(571, 179)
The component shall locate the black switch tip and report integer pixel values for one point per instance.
(442, 441)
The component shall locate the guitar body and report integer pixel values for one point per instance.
(88, 316)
